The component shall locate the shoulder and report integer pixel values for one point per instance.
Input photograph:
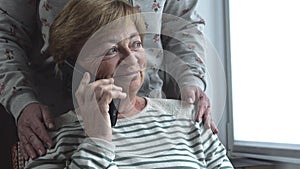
(68, 118)
(171, 106)
(68, 129)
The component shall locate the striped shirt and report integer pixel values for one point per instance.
(163, 135)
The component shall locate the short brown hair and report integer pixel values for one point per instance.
(79, 19)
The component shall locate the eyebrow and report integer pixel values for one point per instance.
(131, 36)
(135, 34)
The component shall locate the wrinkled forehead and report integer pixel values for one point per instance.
(116, 27)
(116, 34)
(112, 33)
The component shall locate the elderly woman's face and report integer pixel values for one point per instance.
(121, 56)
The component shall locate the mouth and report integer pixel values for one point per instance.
(132, 71)
(128, 74)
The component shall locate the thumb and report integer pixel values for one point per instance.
(188, 95)
(47, 118)
(86, 78)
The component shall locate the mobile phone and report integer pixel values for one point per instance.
(113, 111)
(113, 105)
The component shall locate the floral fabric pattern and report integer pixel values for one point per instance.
(23, 54)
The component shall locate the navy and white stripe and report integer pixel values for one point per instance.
(163, 135)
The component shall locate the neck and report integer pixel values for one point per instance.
(140, 103)
(130, 107)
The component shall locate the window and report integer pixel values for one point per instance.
(264, 93)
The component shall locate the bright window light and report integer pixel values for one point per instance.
(265, 65)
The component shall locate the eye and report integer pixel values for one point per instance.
(136, 44)
(111, 52)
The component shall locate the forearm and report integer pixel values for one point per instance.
(185, 43)
(184, 68)
(17, 91)
(95, 153)
(17, 24)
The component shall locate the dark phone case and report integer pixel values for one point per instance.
(113, 111)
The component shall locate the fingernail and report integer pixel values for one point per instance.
(85, 75)
(50, 125)
(190, 100)
(49, 145)
(40, 152)
(215, 131)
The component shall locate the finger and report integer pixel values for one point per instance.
(90, 93)
(198, 118)
(37, 128)
(203, 104)
(84, 82)
(82, 87)
(85, 79)
(24, 153)
(105, 99)
(189, 95)
(26, 145)
(109, 90)
(214, 127)
(28, 137)
(119, 95)
(207, 118)
(98, 87)
(29, 149)
(201, 108)
(115, 90)
(33, 137)
(112, 90)
(110, 87)
(47, 118)
(102, 82)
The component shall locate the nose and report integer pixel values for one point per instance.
(129, 57)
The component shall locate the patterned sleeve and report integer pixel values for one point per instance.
(17, 26)
(93, 153)
(184, 42)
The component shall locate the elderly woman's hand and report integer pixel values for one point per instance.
(93, 100)
(192, 94)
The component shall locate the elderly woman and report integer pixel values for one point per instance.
(105, 38)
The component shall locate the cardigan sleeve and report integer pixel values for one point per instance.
(17, 27)
(182, 27)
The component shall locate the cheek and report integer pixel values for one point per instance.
(143, 75)
(143, 60)
(106, 70)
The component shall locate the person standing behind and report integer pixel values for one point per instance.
(150, 132)
(30, 89)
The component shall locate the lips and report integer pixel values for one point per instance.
(128, 71)
(123, 74)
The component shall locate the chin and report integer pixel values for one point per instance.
(136, 83)
(130, 84)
